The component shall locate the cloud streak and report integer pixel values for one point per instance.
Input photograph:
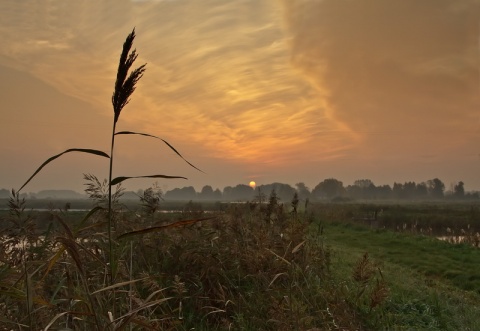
(395, 67)
(217, 71)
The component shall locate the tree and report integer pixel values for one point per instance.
(329, 188)
(227, 193)
(368, 189)
(436, 188)
(217, 194)
(410, 190)
(363, 183)
(421, 190)
(459, 190)
(284, 191)
(384, 192)
(303, 191)
(397, 191)
(186, 193)
(239, 192)
(206, 193)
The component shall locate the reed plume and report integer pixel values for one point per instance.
(124, 87)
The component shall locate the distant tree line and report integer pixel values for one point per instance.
(330, 189)
(365, 189)
(327, 190)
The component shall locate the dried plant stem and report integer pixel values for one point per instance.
(110, 213)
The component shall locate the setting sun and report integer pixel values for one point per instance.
(252, 184)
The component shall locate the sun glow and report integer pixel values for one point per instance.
(252, 184)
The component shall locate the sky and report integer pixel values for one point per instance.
(266, 90)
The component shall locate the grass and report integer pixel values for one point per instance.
(416, 300)
(253, 267)
(456, 264)
(23, 236)
(201, 276)
(434, 284)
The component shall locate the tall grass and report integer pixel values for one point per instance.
(254, 267)
(125, 85)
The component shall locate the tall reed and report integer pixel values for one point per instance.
(125, 85)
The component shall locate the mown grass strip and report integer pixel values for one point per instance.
(416, 301)
(456, 264)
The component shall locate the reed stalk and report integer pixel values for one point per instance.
(124, 87)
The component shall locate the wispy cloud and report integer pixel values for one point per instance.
(218, 72)
(392, 66)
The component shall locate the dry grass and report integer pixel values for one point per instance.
(253, 267)
(79, 256)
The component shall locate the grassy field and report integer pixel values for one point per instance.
(245, 267)
(455, 264)
(433, 285)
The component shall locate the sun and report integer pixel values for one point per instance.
(252, 184)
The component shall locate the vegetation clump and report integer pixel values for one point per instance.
(233, 271)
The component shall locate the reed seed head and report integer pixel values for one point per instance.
(124, 87)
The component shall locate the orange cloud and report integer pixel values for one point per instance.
(398, 69)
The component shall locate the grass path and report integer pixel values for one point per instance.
(433, 285)
(458, 265)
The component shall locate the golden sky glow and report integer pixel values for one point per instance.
(271, 90)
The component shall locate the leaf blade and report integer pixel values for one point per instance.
(111, 287)
(118, 180)
(162, 227)
(166, 143)
(82, 150)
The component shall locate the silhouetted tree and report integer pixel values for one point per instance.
(329, 188)
(421, 190)
(409, 190)
(217, 194)
(227, 193)
(435, 188)
(384, 192)
(283, 191)
(363, 183)
(397, 191)
(459, 190)
(185, 193)
(206, 193)
(366, 189)
(303, 191)
(240, 192)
